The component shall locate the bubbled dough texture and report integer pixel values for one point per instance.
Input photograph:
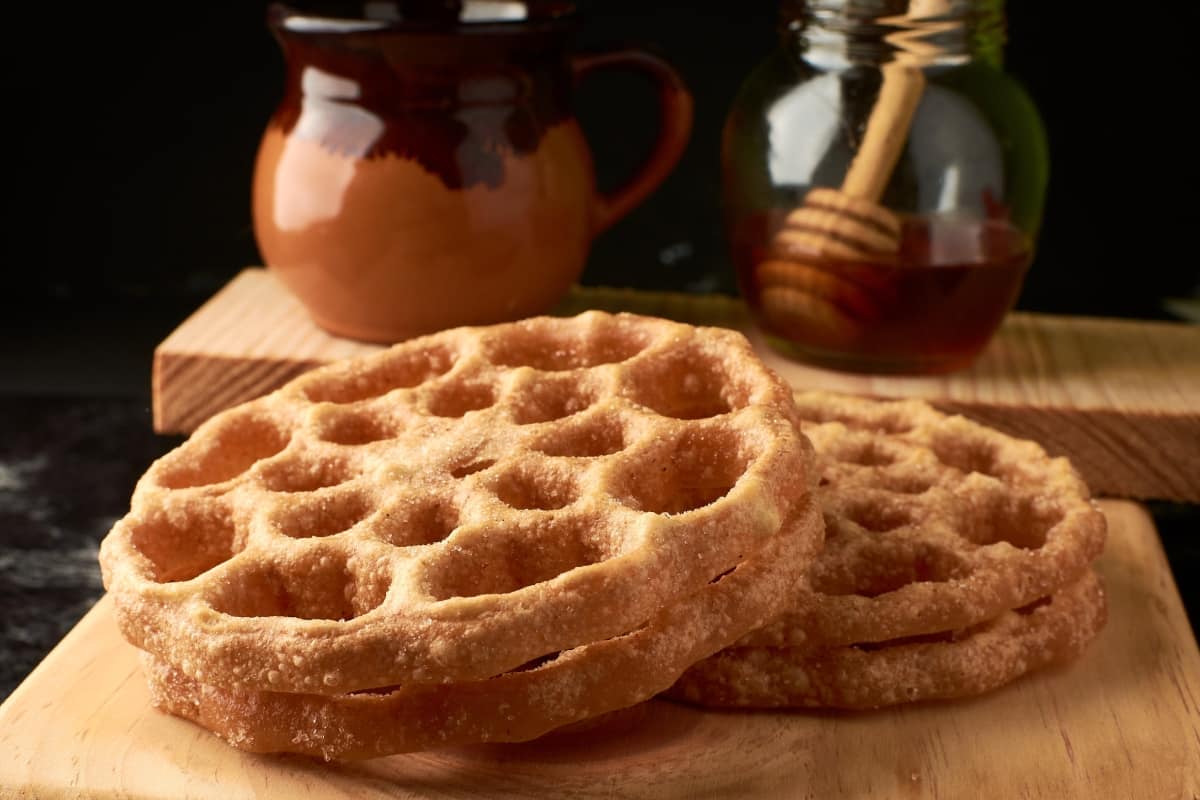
(956, 559)
(955, 664)
(458, 505)
(579, 684)
(933, 523)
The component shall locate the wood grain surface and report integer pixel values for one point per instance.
(1123, 721)
(1120, 398)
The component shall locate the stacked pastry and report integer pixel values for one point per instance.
(956, 560)
(480, 535)
(491, 533)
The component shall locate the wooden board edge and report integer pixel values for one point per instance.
(179, 409)
(1130, 455)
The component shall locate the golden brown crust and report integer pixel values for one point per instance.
(579, 684)
(457, 505)
(961, 664)
(936, 529)
(933, 523)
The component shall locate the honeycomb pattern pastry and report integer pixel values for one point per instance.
(458, 506)
(944, 666)
(933, 523)
(566, 691)
(956, 559)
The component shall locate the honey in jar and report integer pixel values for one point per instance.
(883, 184)
(931, 306)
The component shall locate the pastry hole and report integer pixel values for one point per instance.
(687, 384)
(470, 468)
(499, 560)
(1019, 520)
(722, 575)
(318, 585)
(863, 452)
(416, 521)
(696, 469)
(322, 516)
(877, 515)
(546, 400)
(537, 663)
(1029, 608)
(381, 691)
(355, 427)
(941, 637)
(223, 449)
(525, 489)
(183, 546)
(889, 565)
(599, 436)
(303, 474)
(967, 453)
(891, 420)
(552, 345)
(456, 400)
(402, 368)
(904, 482)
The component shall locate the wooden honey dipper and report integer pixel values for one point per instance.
(849, 224)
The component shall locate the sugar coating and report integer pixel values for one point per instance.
(955, 664)
(956, 558)
(458, 505)
(562, 690)
(933, 522)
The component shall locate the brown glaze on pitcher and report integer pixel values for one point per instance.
(425, 171)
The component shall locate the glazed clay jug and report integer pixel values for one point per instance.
(424, 170)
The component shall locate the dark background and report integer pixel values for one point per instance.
(133, 136)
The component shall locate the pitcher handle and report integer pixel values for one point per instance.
(675, 129)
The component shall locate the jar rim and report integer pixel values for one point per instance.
(938, 32)
(474, 17)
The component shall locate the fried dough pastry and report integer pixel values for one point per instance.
(933, 523)
(579, 684)
(460, 505)
(944, 666)
(956, 559)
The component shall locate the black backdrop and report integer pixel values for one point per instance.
(131, 133)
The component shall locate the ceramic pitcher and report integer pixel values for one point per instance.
(424, 169)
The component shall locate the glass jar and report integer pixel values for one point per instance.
(883, 183)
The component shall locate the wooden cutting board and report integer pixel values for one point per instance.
(1120, 398)
(1122, 721)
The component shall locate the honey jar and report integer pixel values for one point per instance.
(883, 184)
